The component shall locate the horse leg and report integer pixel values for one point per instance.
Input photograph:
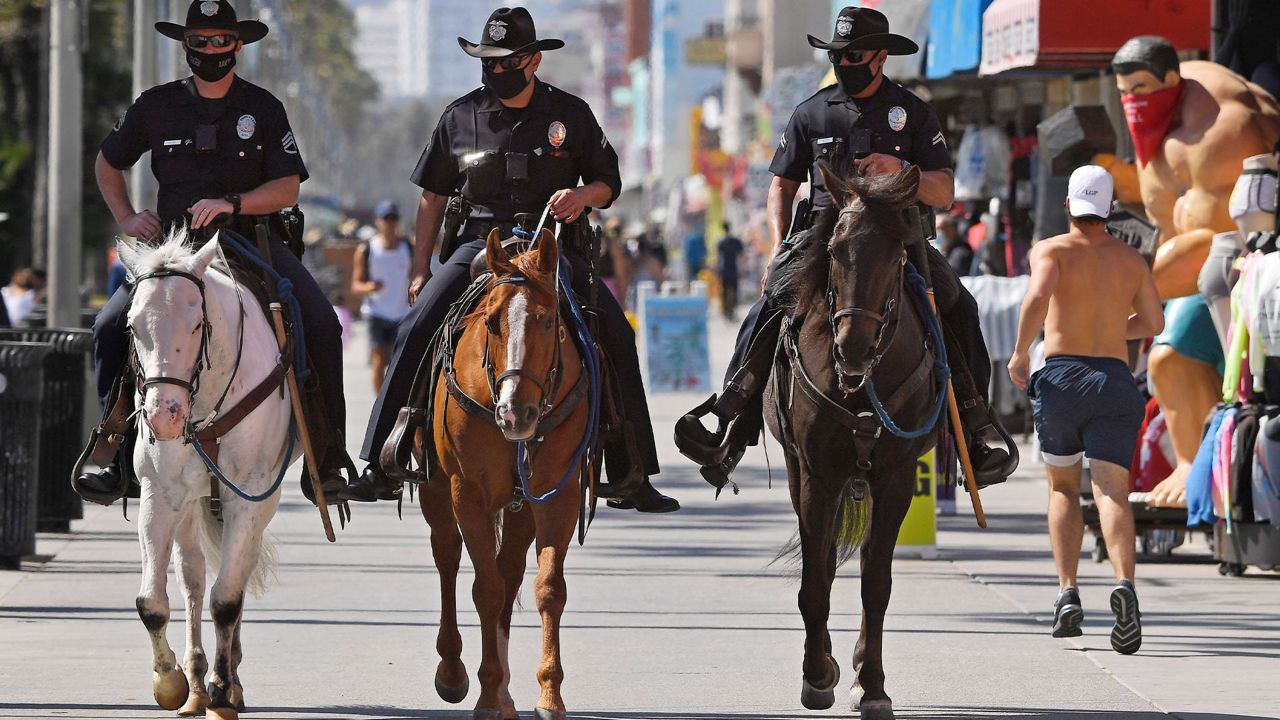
(479, 530)
(816, 505)
(888, 508)
(517, 536)
(555, 520)
(191, 573)
(451, 681)
(241, 544)
(157, 525)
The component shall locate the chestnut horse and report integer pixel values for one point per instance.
(855, 302)
(515, 371)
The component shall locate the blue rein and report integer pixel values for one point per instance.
(941, 371)
(591, 365)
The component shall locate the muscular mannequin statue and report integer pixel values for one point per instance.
(1193, 124)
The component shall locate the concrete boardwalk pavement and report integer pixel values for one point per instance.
(670, 617)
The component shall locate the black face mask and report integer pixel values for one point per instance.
(210, 67)
(853, 79)
(505, 85)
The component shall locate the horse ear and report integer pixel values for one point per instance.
(839, 190)
(499, 260)
(129, 253)
(204, 256)
(548, 252)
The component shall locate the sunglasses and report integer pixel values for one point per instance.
(855, 57)
(200, 42)
(510, 62)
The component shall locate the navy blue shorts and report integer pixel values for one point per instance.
(382, 332)
(1087, 406)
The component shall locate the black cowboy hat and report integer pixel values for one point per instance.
(214, 15)
(859, 28)
(508, 31)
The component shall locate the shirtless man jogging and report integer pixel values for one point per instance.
(1091, 293)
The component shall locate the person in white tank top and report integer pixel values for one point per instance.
(382, 270)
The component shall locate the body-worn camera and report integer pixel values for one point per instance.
(206, 138)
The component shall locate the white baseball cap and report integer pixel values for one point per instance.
(1090, 192)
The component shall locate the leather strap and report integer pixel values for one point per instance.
(208, 436)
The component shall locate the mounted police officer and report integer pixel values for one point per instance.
(220, 146)
(870, 124)
(517, 145)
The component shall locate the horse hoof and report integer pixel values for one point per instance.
(545, 714)
(169, 688)
(451, 694)
(197, 702)
(815, 698)
(486, 714)
(876, 710)
(225, 713)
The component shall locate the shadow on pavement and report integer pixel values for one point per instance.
(356, 712)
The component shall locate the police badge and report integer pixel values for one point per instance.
(245, 126)
(556, 133)
(209, 8)
(497, 30)
(897, 118)
(844, 26)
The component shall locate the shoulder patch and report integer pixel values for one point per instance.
(289, 144)
(938, 139)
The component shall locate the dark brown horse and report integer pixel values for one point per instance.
(853, 328)
(512, 375)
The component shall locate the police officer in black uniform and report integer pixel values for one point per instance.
(220, 146)
(515, 145)
(872, 125)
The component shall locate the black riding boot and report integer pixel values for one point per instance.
(991, 465)
(371, 486)
(112, 482)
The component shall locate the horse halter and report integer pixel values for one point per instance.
(549, 386)
(880, 318)
(202, 356)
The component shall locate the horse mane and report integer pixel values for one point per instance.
(876, 201)
(174, 252)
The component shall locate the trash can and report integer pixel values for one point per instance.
(21, 396)
(61, 419)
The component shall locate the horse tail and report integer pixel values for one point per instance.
(853, 522)
(264, 570)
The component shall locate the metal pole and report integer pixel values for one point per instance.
(142, 185)
(65, 162)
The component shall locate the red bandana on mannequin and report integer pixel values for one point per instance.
(1149, 117)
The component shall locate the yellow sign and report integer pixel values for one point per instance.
(704, 51)
(918, 535)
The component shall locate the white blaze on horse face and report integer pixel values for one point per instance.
(165, 319)
(517, 317)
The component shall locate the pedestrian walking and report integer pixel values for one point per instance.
(728, 259)
(383, 268)
(1086, 402)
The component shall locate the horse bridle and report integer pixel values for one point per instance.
(548, 387)
(880, 318)
(192, 385)
(203, 361)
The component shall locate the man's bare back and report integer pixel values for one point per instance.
(1099, 281)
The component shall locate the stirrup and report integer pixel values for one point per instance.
(696, 442)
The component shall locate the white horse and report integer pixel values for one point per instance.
(186, 320)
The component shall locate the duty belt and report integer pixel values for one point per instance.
(480, 228)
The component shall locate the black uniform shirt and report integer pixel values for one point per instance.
(254, 143)
(477, 145)
(832, 127)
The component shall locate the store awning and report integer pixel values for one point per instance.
(909, 18)
(955, 37)
(1082, 33)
